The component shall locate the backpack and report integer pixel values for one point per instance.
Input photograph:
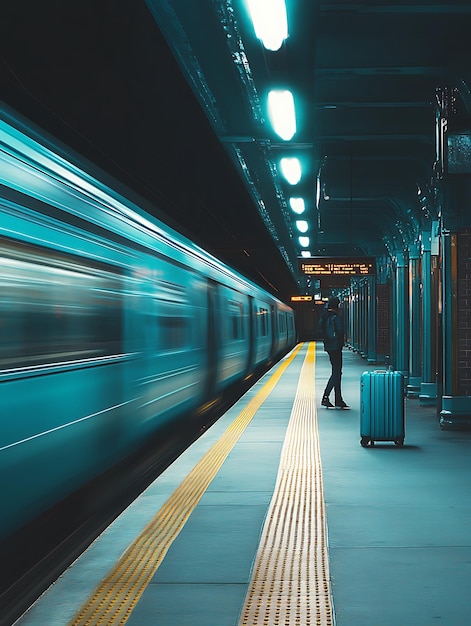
(332, 339)
(330, 332)
(326, 330)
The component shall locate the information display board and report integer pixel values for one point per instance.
(323, 266)
(301, 298)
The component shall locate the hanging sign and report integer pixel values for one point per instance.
(324, 266)
(301, 298)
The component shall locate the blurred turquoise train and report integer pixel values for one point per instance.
(112, 325)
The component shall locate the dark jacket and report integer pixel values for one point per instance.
(331, 319)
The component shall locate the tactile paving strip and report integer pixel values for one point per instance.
(290, 580)
(120, 590)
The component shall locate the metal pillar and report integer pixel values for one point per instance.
(428, 386)
(372, 320)
(455, 409)
(449, 310)
(415, 326)
(355, 317)
(364, 317)
(402, 329)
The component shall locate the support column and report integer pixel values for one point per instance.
(401, 328)
(364, 317)
(355, 317)
(428, 386)
(454, 396)
(383, 310)
(449, 277)
(372, 320)
(449, 322)
(415, 374)
(456, 399)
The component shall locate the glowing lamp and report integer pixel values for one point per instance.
(297, 205)
(282, 113)
(291, 169)
(270, 22)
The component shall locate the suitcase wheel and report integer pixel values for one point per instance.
(366, 441)
(399, 441)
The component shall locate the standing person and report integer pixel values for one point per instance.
(331, 324)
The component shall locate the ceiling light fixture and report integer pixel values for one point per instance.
(304, 242)
(282, 113)
(291, 170)
(270, 22)
(302, 226)
(297, 205)
(305, 253)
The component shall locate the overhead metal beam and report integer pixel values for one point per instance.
(408, 9)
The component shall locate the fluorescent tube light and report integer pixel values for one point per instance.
(281, 112)
(270, 22)
(297, 205)
(302, 226)
(291, 170)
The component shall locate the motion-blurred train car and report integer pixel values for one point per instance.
(111, 326)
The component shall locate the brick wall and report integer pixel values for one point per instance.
(383, 311)
(464, 312)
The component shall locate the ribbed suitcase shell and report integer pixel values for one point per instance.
(382, 407)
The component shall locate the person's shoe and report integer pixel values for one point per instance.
(341, 405)
(326, 402)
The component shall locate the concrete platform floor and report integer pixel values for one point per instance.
(399, 519)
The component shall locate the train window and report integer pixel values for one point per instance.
(263, 322)
(54, 309)
(173, 320)
(173, 332)
(236, 312)
(171, 292)
(281, 323)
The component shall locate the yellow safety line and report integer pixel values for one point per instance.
(119, 592)
(290, 584)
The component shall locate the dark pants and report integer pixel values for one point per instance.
(335, 357)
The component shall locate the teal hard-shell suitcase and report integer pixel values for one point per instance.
(382, 407)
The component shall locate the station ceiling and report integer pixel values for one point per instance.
(366, 78)
(170, 97)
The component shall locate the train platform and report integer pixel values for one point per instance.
(278, 516)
